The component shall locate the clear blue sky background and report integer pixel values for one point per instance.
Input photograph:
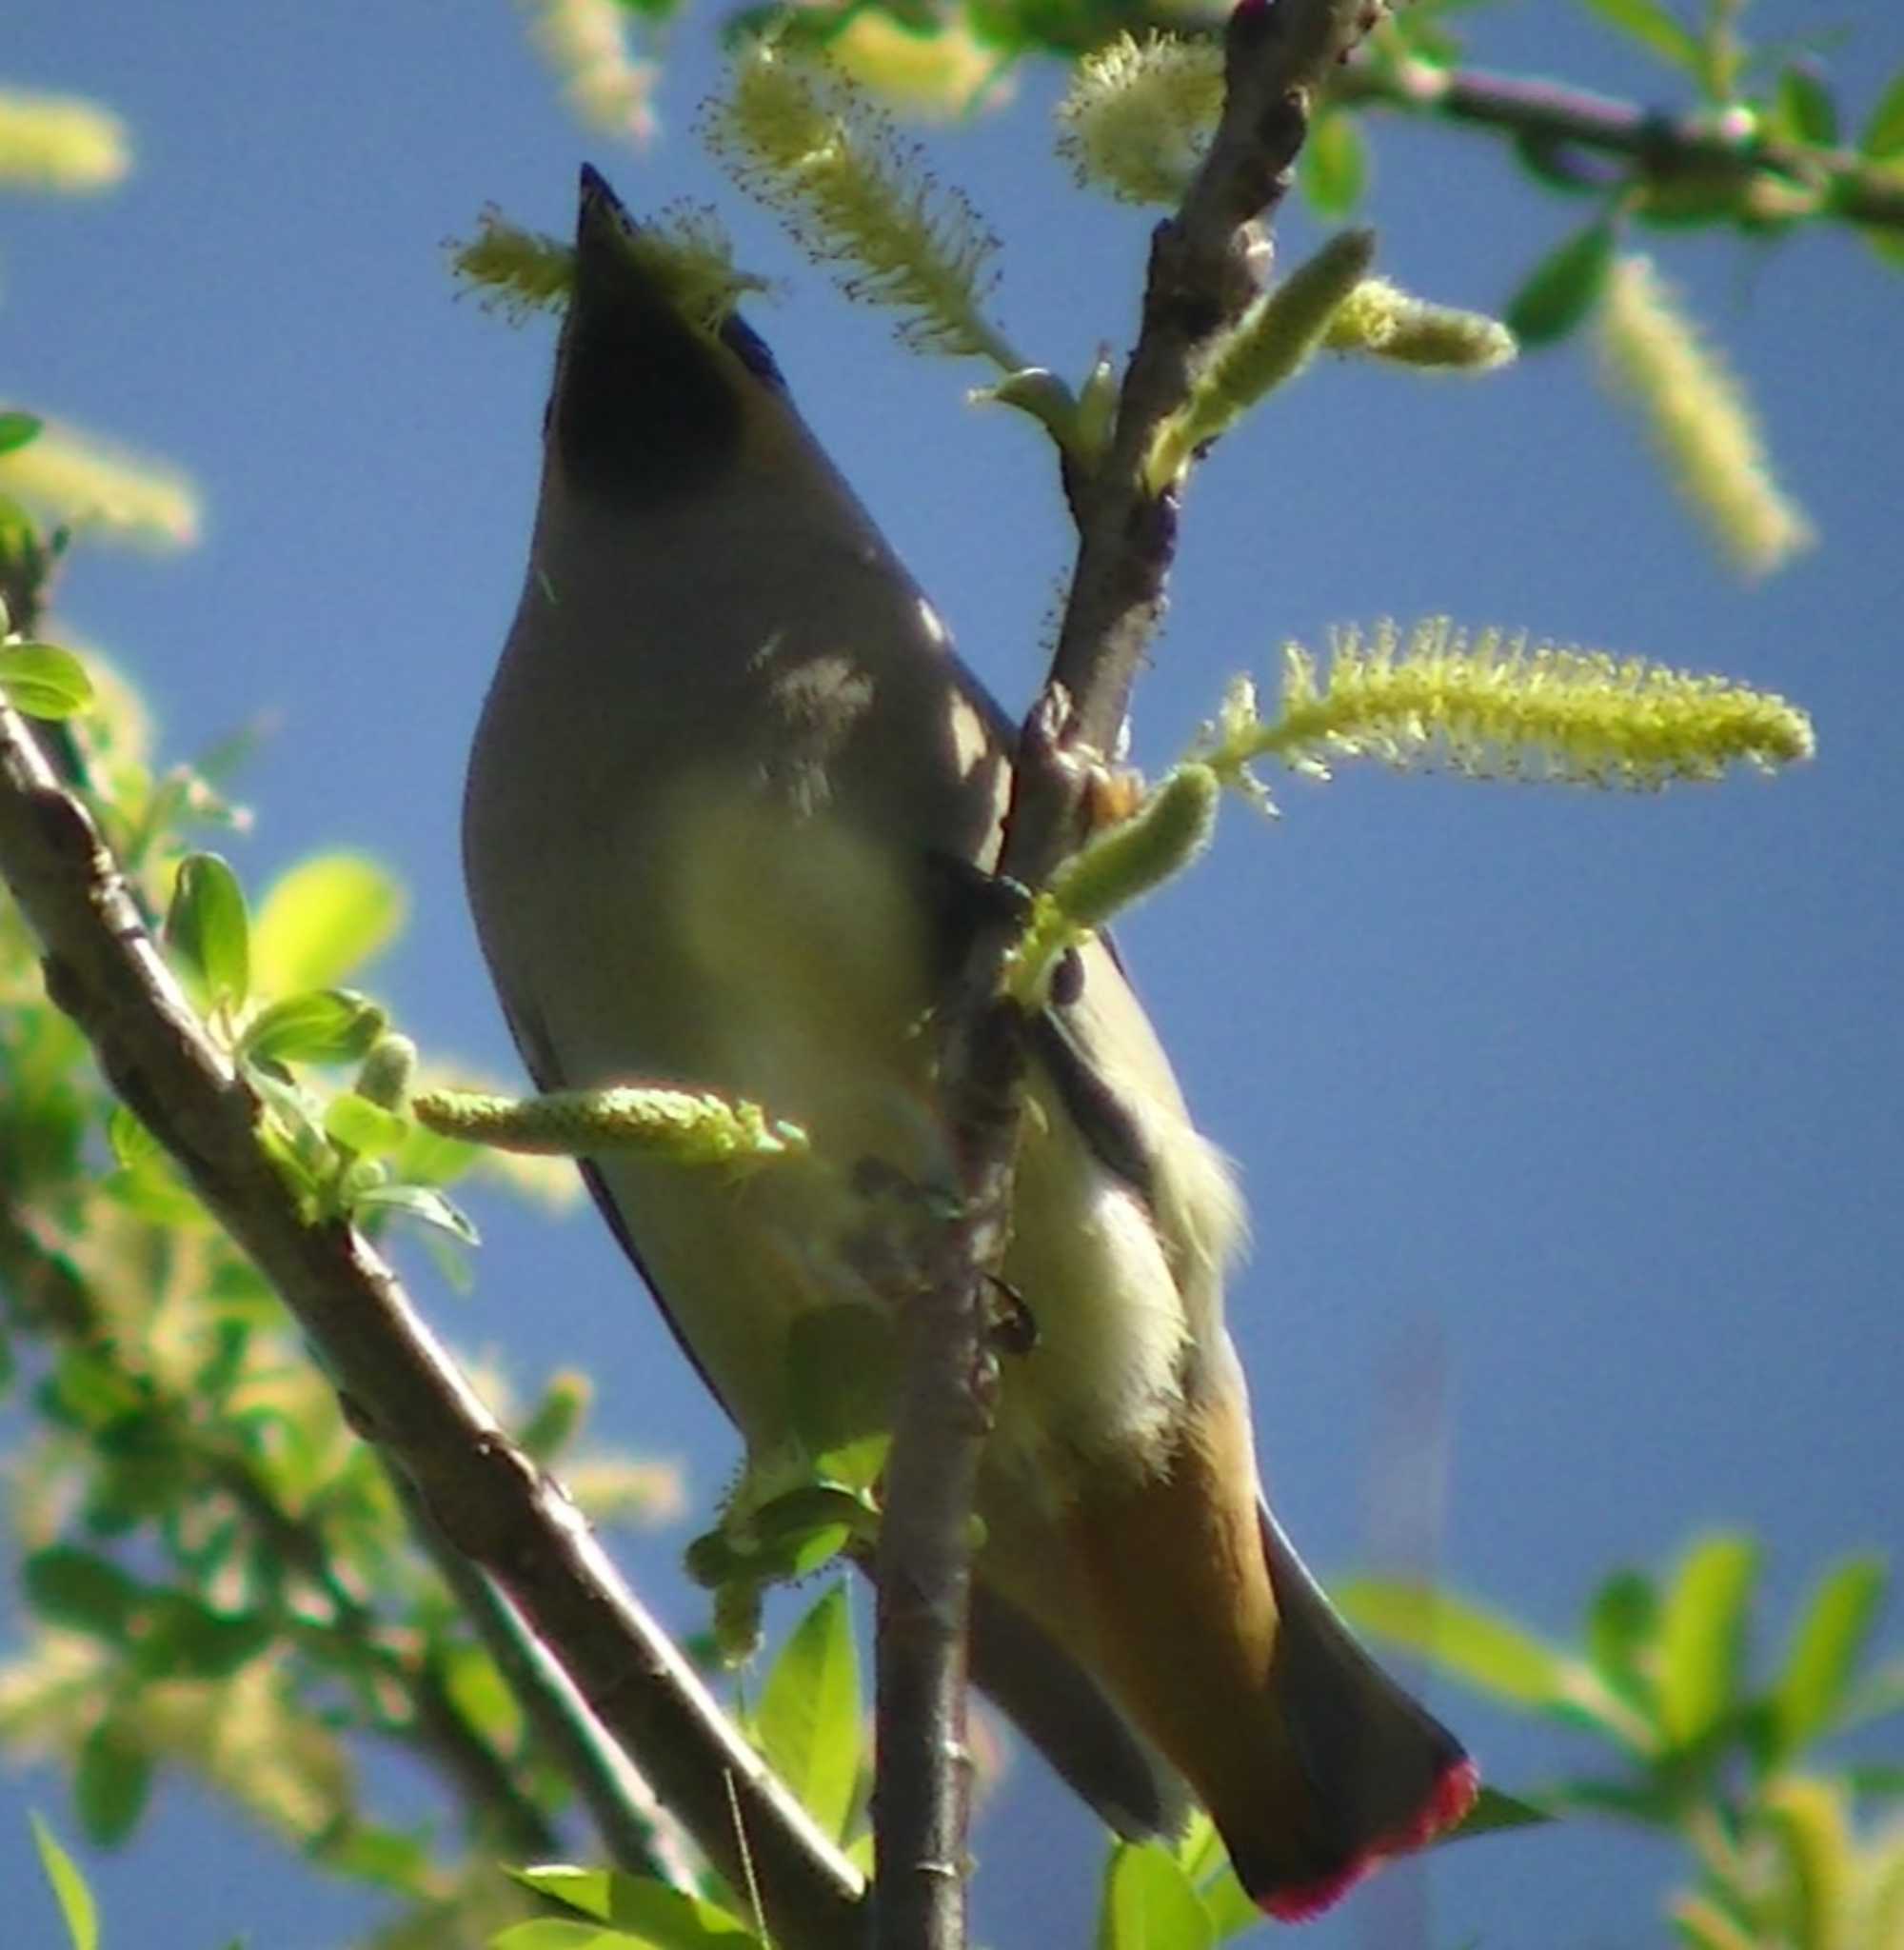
(1597, 1095)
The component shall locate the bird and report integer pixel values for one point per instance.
(731, 798)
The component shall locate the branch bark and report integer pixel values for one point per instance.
(398, 1386)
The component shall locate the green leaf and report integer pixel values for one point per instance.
(421, 1205)
(369, 1129)
(1622, 1622)
(482, 1695)
(323, 918)
(558, 1932)
(322, 1026)
(1825, 1651)
(658, 1915)
(44, 681)
(184, 1638)
(808, 1718)
(16, 429)
(70, 1890)
(1804, 106)
(1333, 168)
(1653, 28)
(1559, 291)
(1884, 133)
(1149, 1903)
(1701, 1631)
(111, 1783)
(1489, 1652)
(206, 927)
(1878, 1697)
(81, 1590)
(1880, 1783)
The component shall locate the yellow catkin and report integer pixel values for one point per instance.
(60, 143)
(1496, 707)
(1698, 413)
(72, 478)
(1138, 114)
(586, 44)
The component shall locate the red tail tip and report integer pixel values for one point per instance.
(1447, 1804)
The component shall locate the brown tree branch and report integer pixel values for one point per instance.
(1205, 266)
(396, 1382)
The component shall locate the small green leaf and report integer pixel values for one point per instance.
(1883, 135)
(1487, 1651)
(81, 1590)
(1559, 291)
(421, 1205)
(1701, 1633)
(16, 429)
(206, 927)
(659, 1916)
(1804, 106)
(1622, 1622)
(1149, 1903)
(1825, 1651)
(111, 1783)
(808, 1718)
(322, 920)
(368, 1129)
(1653, 28)
(70, 1890)
(44, 681)
(1880, 1783)
(323, 1025)
(184, 1638)
(1333, 168)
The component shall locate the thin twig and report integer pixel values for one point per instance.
(397, 1384)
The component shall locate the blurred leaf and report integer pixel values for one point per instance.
(1702, 1632)
(421, 1205)
(388, 1857)
(44, 681)
(70, 1890)
(1825, 1651)
(1804, 106)
(1808, 1818)
(1622, 1623)
(1703, 1926)
(81, 1590)
(1149, 1903)
(111, 1783)
(808, 1717)
(1653, 28)
(184, 1638)
(1656, 1803)
(1881, 1783)
(323, 1025)
(322, 919)
(1559, 291)
(206, 927)
(482, 1695)
(1884, 133)
(1332, 167)
(17, 428)
(1487, 1651)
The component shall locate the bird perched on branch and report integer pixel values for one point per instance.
(730, 799)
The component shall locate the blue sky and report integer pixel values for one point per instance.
(1592, 1101)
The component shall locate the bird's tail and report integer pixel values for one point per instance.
(1219, 1644)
